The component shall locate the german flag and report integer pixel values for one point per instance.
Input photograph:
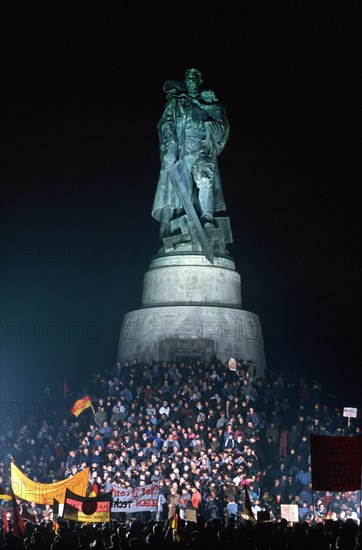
(247, 505)
(327, 503)
(56, 525)
(81, 405)
(87, 509)
(175, 526)
(94, 490)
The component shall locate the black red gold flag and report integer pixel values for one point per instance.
(175, 526)
(55, 516)
(81, 405)
(247, 504)
(87, 509)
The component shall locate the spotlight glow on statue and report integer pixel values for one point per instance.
(193, 131)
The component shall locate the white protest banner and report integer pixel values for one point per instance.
(232, 364)
(134, 499)
(350, 412)
(289, 512)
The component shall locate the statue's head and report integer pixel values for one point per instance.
(193, 80)
(196, 72)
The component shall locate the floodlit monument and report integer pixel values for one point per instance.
(191, 303)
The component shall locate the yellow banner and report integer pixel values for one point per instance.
(45, 493)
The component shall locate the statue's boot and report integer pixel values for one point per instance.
(165, 225)
(165, 230)
(208, 221)
(206, 201)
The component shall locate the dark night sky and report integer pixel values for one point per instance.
(83, 95)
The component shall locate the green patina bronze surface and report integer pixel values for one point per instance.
(193, 130)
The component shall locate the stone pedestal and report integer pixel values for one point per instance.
(191, 309)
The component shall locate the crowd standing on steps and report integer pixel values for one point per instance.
(204, 432)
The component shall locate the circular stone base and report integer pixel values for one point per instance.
(190, 280)
(147, 333)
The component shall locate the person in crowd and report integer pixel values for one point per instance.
(188, 456)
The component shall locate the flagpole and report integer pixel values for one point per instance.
(167, 530)
(313, 517)
(90, 399)
(329, 507)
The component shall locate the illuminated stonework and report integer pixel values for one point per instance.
(191, 301)
(191, 308)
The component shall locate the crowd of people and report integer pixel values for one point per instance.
(207, 434)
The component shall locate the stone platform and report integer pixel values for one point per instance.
(191, 309)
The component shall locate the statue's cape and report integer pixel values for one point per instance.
(173, 86)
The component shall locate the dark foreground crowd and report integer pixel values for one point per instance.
(215, 533)
(204, 432)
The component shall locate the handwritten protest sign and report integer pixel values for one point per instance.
(134, 499)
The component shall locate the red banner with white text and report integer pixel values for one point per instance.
(336, 462)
